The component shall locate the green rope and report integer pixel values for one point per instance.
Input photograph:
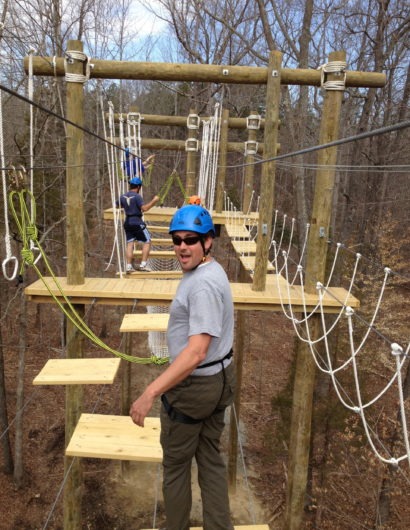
(28, 231)
(163, 192)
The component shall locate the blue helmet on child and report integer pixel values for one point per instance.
(192, 218)
(135, 181)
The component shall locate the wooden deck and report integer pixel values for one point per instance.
(87, 371)
(116, 437)
(162, 214)
(151, 291)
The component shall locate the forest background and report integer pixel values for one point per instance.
(348, 487)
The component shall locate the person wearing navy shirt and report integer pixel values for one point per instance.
(135, 229)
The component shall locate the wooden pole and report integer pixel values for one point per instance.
(249, 171)
(75, 276)
(191, 159)
(207, 73)
(240, 334)
(221, 173)
(268, 171)
(315, 271)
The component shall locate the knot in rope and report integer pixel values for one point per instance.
(32, 232)
(334, 67)
(28, 256)
(159, 360)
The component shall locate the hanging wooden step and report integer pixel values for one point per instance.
(248, 262)
(78, 372)
(161, 241)
(144, 322)
(244, 246)
(162, 254)
(116, 437)
(237, 231)
(236, 527)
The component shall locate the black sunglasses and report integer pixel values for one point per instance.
(190, 240)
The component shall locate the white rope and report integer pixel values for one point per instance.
(9, 260)
(74, 55)
(334, 67)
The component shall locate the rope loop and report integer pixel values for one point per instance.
(334, 67)
(5, 267)
(75, 55)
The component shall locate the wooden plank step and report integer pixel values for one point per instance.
(237, 231)
(244, 246)
(162, 241)
(163, 254)
(78, 372)
(158, 229)
(248, 263)
(144, 322)
(164, 275)
(236, 527)
(116, 437)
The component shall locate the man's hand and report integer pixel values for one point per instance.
(140, 408)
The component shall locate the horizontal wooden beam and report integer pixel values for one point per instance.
(181, 121)
(207, 73)
(84, 371)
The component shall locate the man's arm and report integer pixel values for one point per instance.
(150, 204)
(185, 363)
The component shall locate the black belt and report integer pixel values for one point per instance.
(176, 415)
(134, 215)
(212, 363)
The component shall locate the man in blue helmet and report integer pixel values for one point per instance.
(199, 383)
(134, 226)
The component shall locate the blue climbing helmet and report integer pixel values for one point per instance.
(135, 181)
(192, 218)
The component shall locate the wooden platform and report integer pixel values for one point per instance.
(164, 275)
(236, 527)
(116, 437)
(125, 291)
(163, 214)
(144, 322)
(78, 372)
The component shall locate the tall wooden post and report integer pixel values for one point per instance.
(75, 276)
(234, 433)
(268, 170)
(315, 271)
(220, 181)
(249, 169)
(190, 187)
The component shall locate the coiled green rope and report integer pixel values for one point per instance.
(29, 235)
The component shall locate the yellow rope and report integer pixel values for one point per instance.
(166, 187)
(28, 231)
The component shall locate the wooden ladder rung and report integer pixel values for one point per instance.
(144, 322)
(116, 437)
(78, 372)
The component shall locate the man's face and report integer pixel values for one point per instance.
(188, 248)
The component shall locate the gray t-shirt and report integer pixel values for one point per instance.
(202, 304)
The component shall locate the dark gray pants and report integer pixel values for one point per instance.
(197, 397)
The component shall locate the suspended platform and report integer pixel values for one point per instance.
(116, 437)
(89, 371)
(134, 322)
(162, 214)
(153, 291)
